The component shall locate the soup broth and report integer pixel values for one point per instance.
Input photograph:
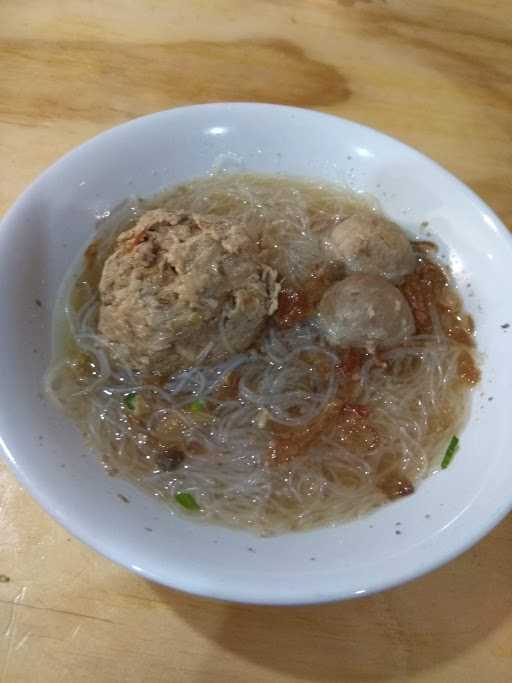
(293, 412)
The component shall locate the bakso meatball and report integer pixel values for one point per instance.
(179, 284)
(367, 243)
(365, 310)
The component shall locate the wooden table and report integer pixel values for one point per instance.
(436, 74)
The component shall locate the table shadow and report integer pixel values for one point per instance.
(402, 631)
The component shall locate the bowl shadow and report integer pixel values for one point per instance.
(396, 633)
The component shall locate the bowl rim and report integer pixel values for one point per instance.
(471, 537)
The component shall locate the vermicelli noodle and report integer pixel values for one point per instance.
(292, 432)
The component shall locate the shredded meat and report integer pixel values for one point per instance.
(396, 486)
(293, 306)
(351, 361)
(420, 301)
(467, 369)
(228, 390)
(348, 422)
(427, 291)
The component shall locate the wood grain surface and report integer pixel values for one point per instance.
(436, 74)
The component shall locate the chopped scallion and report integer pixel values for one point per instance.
(450, 452)
(197, 406)
(129, 400)
(186, 500)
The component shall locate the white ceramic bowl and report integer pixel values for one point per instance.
(49, 224)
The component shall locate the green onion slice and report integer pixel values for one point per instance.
(186, 500)
(450, 452)
(129, 400)
(197, 406)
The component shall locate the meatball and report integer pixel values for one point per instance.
(371, 244)
(176, 284)
(365, 310)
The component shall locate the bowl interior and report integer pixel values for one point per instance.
(50, 223)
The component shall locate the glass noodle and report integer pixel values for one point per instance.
(281, 437)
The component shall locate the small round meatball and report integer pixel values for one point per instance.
(365, 310)
(368, 243)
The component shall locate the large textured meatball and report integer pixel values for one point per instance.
(177, 283)
(365, 310)
(368, 243)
